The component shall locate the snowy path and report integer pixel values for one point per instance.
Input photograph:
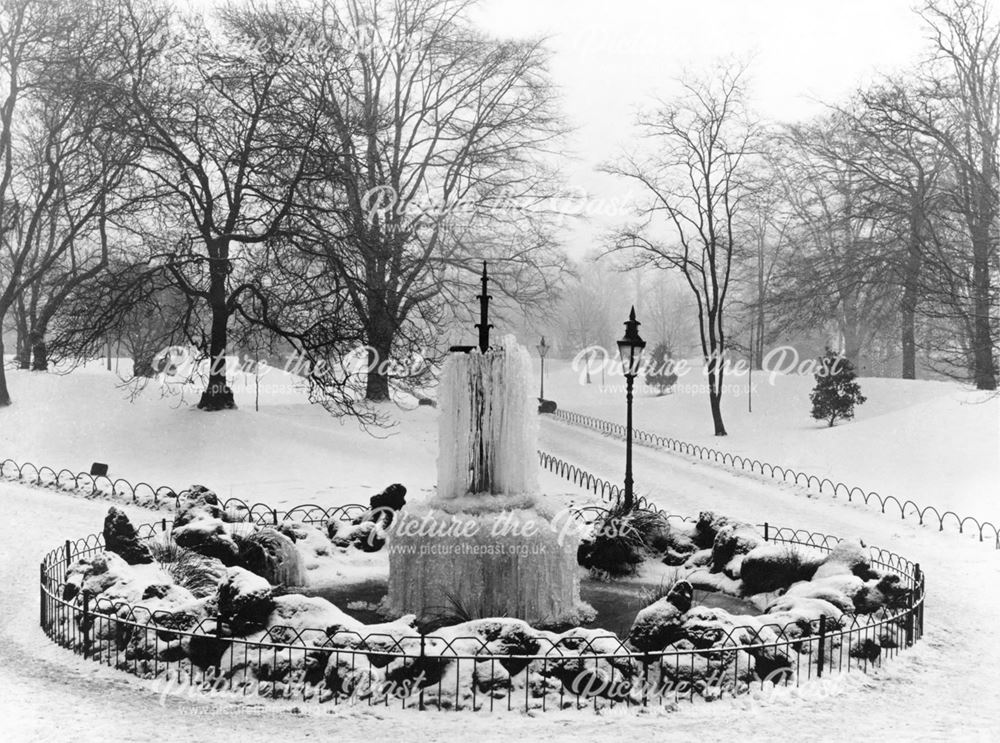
(944, 689)
(950, 682)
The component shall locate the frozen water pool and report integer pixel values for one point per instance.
(616, 603)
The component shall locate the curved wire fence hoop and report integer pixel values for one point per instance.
(141, 493)
(981, 528)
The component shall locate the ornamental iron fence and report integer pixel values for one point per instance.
(489, 666)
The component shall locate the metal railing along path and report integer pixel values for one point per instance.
(823, 485)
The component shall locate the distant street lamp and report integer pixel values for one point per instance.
(542, 350)
(630, 350)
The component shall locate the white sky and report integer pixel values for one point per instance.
(609, 56)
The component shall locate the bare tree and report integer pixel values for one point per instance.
(223, 147)
(62, 163)
(955, 102)
(697, 181)
(432, 142)
(842, 267)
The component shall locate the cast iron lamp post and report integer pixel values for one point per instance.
(630, 350)
(542, 350)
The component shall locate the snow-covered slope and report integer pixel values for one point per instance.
(289, 452)
(936, 443)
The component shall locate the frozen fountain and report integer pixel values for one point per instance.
(486, 544)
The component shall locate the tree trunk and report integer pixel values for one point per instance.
(217, 395)
(757, 360)
(715, 401)
(908, 313)
(22, 354)
(39, 351)
(852, 341)
(715, 392)
(908, 339)
(377, 381)
(984, 369)
(380, 337)
(4, 394)
(908, 310)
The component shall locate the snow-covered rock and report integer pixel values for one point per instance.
(367, 536)
(838, 590)
(847, 556)
(273, 556)
(311, 543)
(106, 575)
(245, 600)
(311, 618)
(800, 615)
(707, 527)
(771, 567)
(120, 538)
(732, 540)
(659, 623)
(199, 525)
(709, 673)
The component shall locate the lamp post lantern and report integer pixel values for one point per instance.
(630, 350)
(542, 350)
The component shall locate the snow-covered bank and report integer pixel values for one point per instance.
(289, 452)
(936, 443)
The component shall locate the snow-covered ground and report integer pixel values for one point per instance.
(946, 688)
(935, 443)
(289, 452)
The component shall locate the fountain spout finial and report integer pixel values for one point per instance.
(484, 313)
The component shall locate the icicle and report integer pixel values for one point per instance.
(488, 427)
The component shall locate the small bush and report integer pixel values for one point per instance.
(836, 391)
(623, 539)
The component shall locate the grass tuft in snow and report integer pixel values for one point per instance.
(189, 569)
(652, 594)
(623, 539)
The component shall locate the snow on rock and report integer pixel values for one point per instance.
(311, 618)
(707, 527)
(659, 623)
(838, 590)
(273, 556)
(709, 674)
(120, 538)
(499, 636)
(849, 593)
(732, 540)
(311, 543)
(770, 567)
(847, 556)
(106, 575)
(245, 600)
(199, 525)
(706, 627)
(367, 536)
(801, 614)
(139, 593)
